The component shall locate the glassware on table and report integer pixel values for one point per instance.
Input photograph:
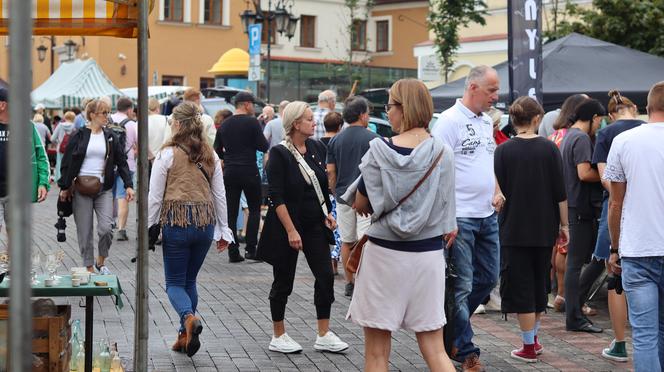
(36, 262)
(60, 256)
(52, 264)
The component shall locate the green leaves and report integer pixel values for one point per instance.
(445, 18)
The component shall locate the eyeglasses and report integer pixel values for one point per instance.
(389, 106)
(105, 113)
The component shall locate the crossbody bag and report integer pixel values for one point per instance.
(356, 251)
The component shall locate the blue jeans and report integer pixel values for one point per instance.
(643, 280)
(185, 249)
(476, 256)
(603, 244)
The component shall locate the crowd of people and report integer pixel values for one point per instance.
(541, 207)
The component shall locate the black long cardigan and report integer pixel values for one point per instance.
(286, 185)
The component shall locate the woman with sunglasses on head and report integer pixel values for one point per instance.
(407, 187)
(87, 177)
(188, 200)
(624, 114)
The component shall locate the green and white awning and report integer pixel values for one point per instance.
(72, 82)
(161, 92)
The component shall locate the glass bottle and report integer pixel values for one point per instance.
(80, 358)
(105, 359)
(74, 343)
(116, 362)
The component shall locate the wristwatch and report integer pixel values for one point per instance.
(613, 250)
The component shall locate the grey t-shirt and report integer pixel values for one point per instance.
(274, 131)
(576, 148)
(345, 151)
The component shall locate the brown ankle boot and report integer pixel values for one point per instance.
(181, 343)
(193, 327)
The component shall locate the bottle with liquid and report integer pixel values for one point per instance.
(105, 359)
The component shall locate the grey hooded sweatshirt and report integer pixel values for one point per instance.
(389, 176)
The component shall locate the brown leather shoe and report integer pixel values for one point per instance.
(193, 327)
(472, 364)
(181, 343)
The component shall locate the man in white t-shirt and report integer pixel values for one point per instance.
(156, 128)
(210, 131)
(476, 252)
(635, 168)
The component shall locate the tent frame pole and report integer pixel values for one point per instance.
(141, 326)
(20, 179)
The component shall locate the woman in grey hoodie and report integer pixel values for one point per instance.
(61, 130)
(400, 282)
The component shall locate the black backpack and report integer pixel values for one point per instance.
(120, 131)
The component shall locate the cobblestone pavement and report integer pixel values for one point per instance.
(237, 329)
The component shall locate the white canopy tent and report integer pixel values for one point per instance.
(160, 92)
(72, 82)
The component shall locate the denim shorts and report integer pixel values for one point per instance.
(603, 245)
(119, 191)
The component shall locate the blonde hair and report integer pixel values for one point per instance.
(153, 104)
(415, 101)
(292, 113)
(495, 115)
(38, 118)
(70, 116)
(94, 106)
(190, 134)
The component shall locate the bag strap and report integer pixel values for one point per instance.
(417, 186)
(198, 164)
(308, 173)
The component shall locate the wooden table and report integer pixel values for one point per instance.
(89, 291)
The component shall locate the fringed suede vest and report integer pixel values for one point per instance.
(188, 198)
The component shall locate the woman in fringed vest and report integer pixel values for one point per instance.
(188, 200)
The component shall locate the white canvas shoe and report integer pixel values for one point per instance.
(330, 342)
(284, 344)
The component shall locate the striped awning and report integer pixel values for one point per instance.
(80, 17)
(162, 93)
(72, 82)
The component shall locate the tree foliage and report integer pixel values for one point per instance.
(636, 24)
(445, 18)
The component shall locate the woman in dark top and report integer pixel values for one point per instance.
(624, 113)
(298, 219)
(530, 174)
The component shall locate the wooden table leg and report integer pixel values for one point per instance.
(89, 307)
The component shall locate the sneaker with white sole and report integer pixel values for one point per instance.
(330, 342)
(480, 310)
(103, 270)
(284, 344)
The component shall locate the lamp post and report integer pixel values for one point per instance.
(42, 49)
(285, 21)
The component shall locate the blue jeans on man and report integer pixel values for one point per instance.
(185, 249)
(476, 257)
(643, 281)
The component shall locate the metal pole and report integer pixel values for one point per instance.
(20, 179)
(52, 54)
(141, 331)
(269, 49)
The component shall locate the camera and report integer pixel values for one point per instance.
(61, 225)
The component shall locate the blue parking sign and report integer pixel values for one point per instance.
(255, 33)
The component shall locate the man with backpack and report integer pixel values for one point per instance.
(126, 130)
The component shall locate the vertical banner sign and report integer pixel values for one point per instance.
(525, 48)
(255, 32)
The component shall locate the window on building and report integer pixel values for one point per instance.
(212, 13)
(273, 29)
(174, 10)
(172, 80)
(308, 31)
(359, 39)
(382, 36)
(206, 82)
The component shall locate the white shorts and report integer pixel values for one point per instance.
(351, 225)
(382, 299)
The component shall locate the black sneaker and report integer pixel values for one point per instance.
(122, 236)
(350, 287)
(251, 256)
(234, 255)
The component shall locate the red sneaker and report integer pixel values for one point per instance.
(525, 354)
(538, 347)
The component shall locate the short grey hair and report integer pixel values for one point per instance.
(282, 105)
(327, 96)
(477, 74)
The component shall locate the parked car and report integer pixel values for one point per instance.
(227, 93)
(379, 97)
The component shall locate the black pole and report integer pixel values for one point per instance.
(269, 49)
(510, 52)
(52, 54)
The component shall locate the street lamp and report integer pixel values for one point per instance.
(285, 20)
(41, 52)
(42, 49)
(71, 48)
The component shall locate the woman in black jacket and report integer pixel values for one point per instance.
(298, 219)
(87, 179)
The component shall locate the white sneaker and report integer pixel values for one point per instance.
(284, 344)
(480, 310)
(330, 342)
